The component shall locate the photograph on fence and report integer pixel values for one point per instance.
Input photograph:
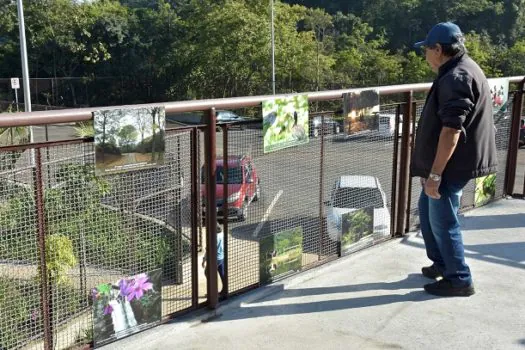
(485, 190)
(499, 91)
(360, 111)
(355, 226)
(127, 306)
(280, 254)
(129, 139)
(285, 123)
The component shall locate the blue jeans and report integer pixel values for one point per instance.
(441, 232)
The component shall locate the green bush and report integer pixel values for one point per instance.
(59, 257)
(20, 313)
(14, 313)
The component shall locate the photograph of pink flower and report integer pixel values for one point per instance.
(126, 307)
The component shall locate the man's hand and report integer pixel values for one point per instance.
(432, 188)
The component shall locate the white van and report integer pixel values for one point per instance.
(387, 124)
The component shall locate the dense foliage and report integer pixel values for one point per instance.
(132, 51)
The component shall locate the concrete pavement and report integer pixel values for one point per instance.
(374, 300)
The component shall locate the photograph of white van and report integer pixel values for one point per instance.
(387, 125)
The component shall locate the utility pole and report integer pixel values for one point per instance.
(25, 69)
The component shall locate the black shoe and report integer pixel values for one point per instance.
(431, 272)
(444, 288)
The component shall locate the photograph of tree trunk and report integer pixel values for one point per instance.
(129, 139)
(359, 110)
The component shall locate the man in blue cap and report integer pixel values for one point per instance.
(455, 142)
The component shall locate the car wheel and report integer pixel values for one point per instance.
(257, 193)
(315, 133)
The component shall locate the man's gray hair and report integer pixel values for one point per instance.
(455, 48)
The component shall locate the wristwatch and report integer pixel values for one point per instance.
(434, 177)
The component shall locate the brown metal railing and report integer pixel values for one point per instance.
(400, 186)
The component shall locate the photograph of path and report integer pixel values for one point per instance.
(129, 139)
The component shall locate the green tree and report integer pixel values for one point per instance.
(512, 60)
(127, 136)
(486, 54)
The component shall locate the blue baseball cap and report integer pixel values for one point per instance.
(441, 33)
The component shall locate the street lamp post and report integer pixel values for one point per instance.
(273, 51)
(25, 69)
(25, 72)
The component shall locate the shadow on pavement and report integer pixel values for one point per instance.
(412, 281)
(491, 222)
(325, 306)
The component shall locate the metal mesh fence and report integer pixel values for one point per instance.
(358, 182)
(287, 221)
(98, 231)
(502, 123)
(288, 210)
(20, 306)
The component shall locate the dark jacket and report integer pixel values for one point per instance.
(460, 99)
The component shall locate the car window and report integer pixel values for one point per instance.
(355, 197)
(234, 175)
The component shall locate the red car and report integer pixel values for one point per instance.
(243, 186)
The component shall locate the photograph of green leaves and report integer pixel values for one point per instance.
(355, 226)
(285, 122)
(280, 254)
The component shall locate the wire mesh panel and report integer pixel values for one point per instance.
(21, 313)
(273, 207)
(358, 181)
(502, 123)
(98, 230)
(415, 187)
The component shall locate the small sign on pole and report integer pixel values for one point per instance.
(15, 83)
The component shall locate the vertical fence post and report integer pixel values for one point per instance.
(195, 207)
(412, 134)
(512, 153)
(395, 158)
(321, 192)
(211, 209)
(404, 175)
(225, 208)
(45, 295)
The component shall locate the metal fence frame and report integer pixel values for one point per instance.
(401, 183)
